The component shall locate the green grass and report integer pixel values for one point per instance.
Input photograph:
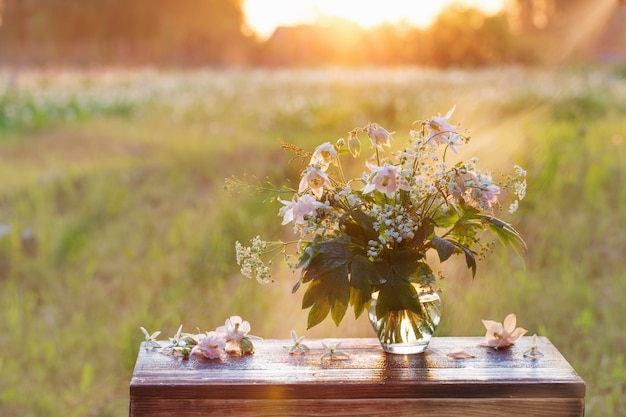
(119, 178)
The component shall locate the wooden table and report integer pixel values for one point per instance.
(369, 383)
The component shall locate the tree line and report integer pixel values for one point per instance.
(213, 32)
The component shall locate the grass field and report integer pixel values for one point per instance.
(113, 213)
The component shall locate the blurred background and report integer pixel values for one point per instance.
(121, 120)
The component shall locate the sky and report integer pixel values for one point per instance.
(263, 16)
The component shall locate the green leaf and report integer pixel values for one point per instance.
(318, 313)
(358, 226)
(444, 247)
(404, 262)
(329, 292)
(506, 234)
(397, 294)
(326, 256)
(470, 259)
(362, 274)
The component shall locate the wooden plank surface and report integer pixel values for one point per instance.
(274, 383)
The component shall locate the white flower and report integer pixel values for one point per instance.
(324, 155)
(378, 135)
(297, 346)
(299, 208)
(332, 353)
(314, 179)
(501, 336)
(387, 180)
(151, 341)
(441, 131)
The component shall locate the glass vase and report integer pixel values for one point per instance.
(403, 331)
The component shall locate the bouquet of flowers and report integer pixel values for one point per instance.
(370, 233)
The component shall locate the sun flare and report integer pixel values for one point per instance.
(263, 16)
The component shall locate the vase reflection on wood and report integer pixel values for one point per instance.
(404, 331)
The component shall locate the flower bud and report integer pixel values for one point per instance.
(341, 143)
(247, 348)
(354, 145)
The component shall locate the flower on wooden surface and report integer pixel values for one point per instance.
(181, 344)
(234, 331)
(501, 335)
(332, 353)
(297, 346)
(151, 341)
(533, 353)
(212, 345)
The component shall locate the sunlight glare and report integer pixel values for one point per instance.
(263, 16)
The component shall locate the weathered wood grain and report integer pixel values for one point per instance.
(370, 383)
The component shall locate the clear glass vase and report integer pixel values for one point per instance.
(403, 331)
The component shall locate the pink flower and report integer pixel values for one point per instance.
(314, 179)
(234, 329)
(387, 180)
(212, 345)
(378, 135)
(299, 208)
(501, 336)
(441, 131)
(488, 193)
(324, 155)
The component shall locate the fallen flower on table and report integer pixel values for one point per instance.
(501, 336)
(332, 353)
(151, 341)
(460, 353)
(297, 346)
(181, 343)
(212, 345)
(533, 353)
(235, 331)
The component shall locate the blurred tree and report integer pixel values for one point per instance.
(466, 37)
(187, 32)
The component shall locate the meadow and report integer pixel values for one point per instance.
(114, 214)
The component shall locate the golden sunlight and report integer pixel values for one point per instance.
(263, 16)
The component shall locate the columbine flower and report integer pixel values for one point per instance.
(324, 155)
(235, 330)
(151, 341)
(314, 179)
(501, 336)
(297, 346)
(299, 208)
(378, 135)
(387, 180)
(212, 345)
(332, 353)
(440, 130)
